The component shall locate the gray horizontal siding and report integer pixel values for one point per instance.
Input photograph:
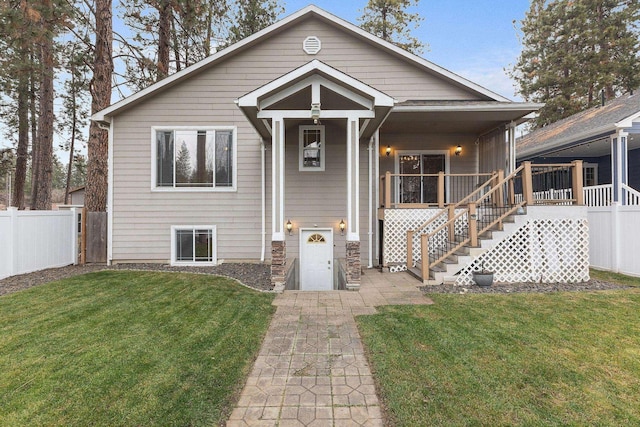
(142, 218)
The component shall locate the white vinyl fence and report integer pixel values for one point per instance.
(35, 240)
(614, 238)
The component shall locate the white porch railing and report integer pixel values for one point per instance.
(630, 196)
(598, 195)
(602, 195)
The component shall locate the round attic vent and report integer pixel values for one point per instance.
(311, 45)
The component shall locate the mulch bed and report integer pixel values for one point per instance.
(510, 288)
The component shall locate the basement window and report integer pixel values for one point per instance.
(193, 245)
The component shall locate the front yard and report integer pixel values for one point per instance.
(128, 348)
(526, 359)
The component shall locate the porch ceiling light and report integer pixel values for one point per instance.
(388, 151)
(289, 226)
(342, 227)
(315, 112)
(458, 150)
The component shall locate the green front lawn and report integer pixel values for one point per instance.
(526, 359)
(128, 348)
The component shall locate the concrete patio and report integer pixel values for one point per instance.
(311, 370)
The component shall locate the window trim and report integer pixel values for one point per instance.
(154, 163)
(593, 166)
(214, 244)
(447, 168)
(323, 148)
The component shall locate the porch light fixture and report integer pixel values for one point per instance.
(388, 151)
(289, 226)
(458, 150)
(342, 227)
(315, 112)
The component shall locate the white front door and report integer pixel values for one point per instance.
(316, 259)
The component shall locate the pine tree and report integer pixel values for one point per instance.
(573, 50)
(168, 36)
(97, 178)
(18, 32)
(390, 20)
(73, 118)
(252, 16)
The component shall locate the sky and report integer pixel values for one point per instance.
(473, 38)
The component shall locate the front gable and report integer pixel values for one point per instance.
(280, 48)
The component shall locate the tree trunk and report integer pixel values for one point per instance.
(45, 125)
(164, 33)
(33, 118)
(97, 170)
(74, 124)
(22, 153)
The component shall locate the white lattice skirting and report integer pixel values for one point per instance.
(542, 250)
(396, 224)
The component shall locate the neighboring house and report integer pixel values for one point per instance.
(607, 140)
(77, 196)
(282, 148)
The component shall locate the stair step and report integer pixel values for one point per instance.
(415, 272)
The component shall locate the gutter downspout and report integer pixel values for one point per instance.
(370, 149)
(376, 194)
(263, 198)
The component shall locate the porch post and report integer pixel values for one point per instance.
(353, 203)
(511, 160)
(619, 165)
(278, 244)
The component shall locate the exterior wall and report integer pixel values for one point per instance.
(142, 218)
(467, 162)
(493, 151)
(320, 198)
(77, 198)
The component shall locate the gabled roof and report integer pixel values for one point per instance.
(104, 115)
(589, 125)
(315, 73)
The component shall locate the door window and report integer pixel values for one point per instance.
(416, 189)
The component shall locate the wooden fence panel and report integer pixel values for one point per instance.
(96, 238)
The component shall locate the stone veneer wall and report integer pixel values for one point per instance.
(353, 265)
(278, 262)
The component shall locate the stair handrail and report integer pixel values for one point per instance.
(452, 220)
(456, 205)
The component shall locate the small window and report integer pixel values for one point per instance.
(316, 238)
(590, 174)
(312, 148)
(194, 159)
(193, 245)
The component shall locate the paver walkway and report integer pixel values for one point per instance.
(311, 370)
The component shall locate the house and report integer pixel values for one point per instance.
(77, 196)
(607, 140)
(312, 145)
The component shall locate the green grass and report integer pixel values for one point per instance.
(128, 348)
(607, 276)
(526, 359)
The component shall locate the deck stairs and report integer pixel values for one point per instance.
(447, 269)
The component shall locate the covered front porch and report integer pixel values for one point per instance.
(331, 138)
